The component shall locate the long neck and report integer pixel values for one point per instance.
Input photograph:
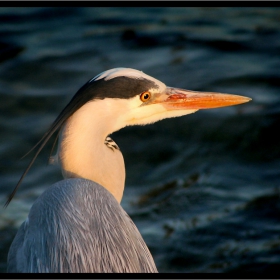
(82, 152)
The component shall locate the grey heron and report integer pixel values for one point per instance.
(77, 224)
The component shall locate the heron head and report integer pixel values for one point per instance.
(143, 99)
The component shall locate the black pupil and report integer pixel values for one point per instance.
(146, 96)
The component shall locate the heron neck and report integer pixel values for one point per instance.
(82, 152)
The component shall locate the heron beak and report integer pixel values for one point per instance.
(181, 99)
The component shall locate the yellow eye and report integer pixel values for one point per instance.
(145, 96)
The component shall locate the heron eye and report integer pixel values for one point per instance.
(145, 96)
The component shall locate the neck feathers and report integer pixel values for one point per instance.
(85, 151)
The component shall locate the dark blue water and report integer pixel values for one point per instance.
(203, 189)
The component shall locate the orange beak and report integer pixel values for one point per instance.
(181, 99)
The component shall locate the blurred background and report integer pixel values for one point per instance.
(203, 189)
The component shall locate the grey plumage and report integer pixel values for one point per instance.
(78, 226)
